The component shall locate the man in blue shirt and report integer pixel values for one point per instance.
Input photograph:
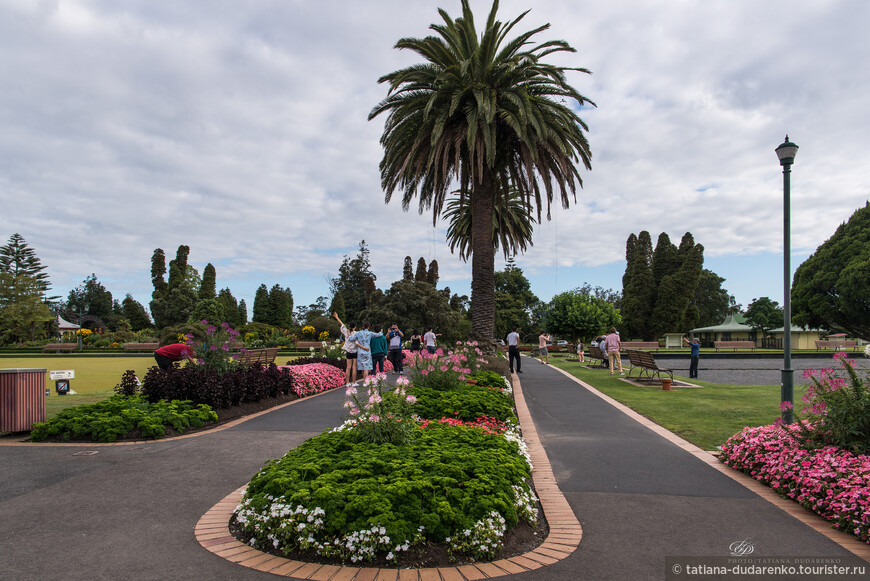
(695, 346)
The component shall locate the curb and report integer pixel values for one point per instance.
(212, 532)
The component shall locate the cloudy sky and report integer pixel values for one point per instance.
(239, 129)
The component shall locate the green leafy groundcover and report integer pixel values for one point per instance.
(354, 500)
(466, 403)
(119, 415)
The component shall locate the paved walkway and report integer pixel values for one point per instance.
(129, 511)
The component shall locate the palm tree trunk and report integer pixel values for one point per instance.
(482, 261)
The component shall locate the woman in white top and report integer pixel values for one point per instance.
(350, 347)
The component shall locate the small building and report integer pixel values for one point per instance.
(801, 338)
(733, 328)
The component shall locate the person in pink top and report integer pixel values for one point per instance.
(613, 347)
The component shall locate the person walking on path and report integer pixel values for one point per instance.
(416, 342)
(543, 338)
(613, 346)
(379, 350)
(350, 348)
(513, 342)
(363, 339)
(580, 356)
(431, 341)
(396, 355)
(168, 354)
(695, 346)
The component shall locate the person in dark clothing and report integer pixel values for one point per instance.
(695, 355)
(513, 342)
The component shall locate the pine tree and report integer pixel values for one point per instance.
(207, 288)
(638, 288)
(337, 305)
(432, 273)
(408, 269)
(261, 305)
(280, 307)
(135, 313)
(230, 307)
(19, 259)
(665, 259)
(181, 295)
(158, 296)
(420, 275)
(243, 313)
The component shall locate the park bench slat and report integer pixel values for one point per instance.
(646, 365)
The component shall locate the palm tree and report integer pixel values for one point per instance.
(512, 225)
(488, 113)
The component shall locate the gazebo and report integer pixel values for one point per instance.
(733, 328)
(63, 326)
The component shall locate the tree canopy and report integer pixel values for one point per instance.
(487, 112)
(832, 287)
(19, 259)
(576, 314)
(763, 314)
(514, 302)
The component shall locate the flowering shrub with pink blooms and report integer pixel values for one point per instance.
(837, 408)
(829, 481)
(447, 371)
(314, 377)
(383, 416)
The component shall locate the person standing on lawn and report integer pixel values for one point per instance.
(396, 355)
(580, 356)
(350, 348)
(169, 354)
(613, 346)
(513, 342)
(543, 339)
(379, 350)
(695, 355)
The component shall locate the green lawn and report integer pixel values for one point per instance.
(705, 416)
(95, 377)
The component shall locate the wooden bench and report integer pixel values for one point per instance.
(646, 364)
(640, 345)
(836, 344)
(258, 356)
(58, 347)
(734, 345)
(596, 353)
(140, 347)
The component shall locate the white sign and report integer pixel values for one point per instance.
(62, 374)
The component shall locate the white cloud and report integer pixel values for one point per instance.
(240, 130)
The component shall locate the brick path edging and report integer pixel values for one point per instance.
(212, 532)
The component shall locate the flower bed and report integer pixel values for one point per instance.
(385, 487)
(314, 377)
(829, 481)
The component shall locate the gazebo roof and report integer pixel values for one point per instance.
(65, 325)
(731, 324)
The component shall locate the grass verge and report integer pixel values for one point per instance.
(705, 416)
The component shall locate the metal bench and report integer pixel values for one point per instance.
(140, 347)
(258, 356)
(646, 364)
(595, 352)
(834, 344)
(734, 345)
(640, 345)
(58, 347)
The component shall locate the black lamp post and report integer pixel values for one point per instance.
(786, 152)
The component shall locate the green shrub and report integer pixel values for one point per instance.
(119, 415)
(349, 499)
(487, 378)
(466, 403)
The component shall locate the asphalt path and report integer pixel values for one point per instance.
(129, 512)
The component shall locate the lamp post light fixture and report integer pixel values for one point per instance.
(786, 152)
